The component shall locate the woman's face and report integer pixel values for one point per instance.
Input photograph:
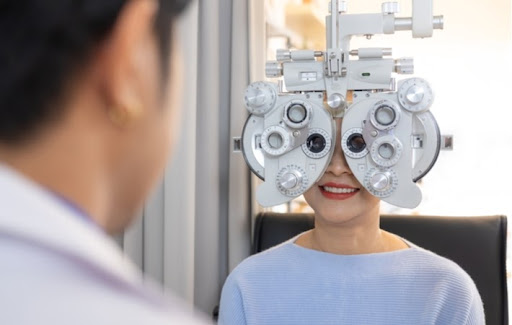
(338, 198)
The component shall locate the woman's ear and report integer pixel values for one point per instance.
(124, 59)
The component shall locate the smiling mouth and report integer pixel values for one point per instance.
(336, 191)
(339, 190)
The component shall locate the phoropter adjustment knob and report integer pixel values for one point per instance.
(292, 180)
(380, 181)
(404, 66)
(260, 98)
(289, 180)
(390, 8)
(273, 69)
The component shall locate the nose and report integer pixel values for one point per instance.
(338, 165)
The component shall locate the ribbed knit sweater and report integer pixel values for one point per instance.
(289, 284)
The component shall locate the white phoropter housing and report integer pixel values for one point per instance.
(389, 137)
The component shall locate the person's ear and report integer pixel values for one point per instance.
(123, 58)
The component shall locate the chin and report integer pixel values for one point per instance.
(121, 219)
(119, 223)
(336, 216)
(341, 210)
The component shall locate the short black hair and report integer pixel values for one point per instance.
(43, 43)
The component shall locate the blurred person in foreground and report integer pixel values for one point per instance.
(89, 104)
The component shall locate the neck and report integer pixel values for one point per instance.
(361, 235)
(68, 165)
(346, 241)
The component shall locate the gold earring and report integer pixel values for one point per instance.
(124, 115)
(118, 116)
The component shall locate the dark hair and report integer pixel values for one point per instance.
(42, 44)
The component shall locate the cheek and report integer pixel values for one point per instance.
(370, 202)
(313, 197)
(174, 96)
(148, 81)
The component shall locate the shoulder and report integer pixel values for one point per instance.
(272, 259)
(31, 272)
(276, 265)
(430, 268)
(430, 262)
(252, 278)
(455, 292)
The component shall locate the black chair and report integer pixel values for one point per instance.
(477, 244)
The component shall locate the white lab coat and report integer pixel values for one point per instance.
(55, 268)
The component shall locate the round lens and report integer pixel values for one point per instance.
(297, 113)
(275, 140)
(316, 143)
(385, 115)
(386, 151)
(356, 143)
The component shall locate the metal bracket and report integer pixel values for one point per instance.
(447, 142)
(237, 144)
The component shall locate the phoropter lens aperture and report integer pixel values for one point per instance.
(316, 143)
(386, 151)
(355, 143)
(275, 140)
(297, 113)
(385, 115)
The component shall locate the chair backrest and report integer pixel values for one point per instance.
(477, 244)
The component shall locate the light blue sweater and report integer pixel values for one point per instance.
(289, 284)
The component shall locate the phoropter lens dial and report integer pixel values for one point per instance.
(385, 115)
(275, 140)
(297, 114)
(353, 143)
(386, 151)
(317, 144)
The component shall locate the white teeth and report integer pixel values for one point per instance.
(339, 190)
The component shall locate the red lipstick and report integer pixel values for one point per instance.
(335, 191)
